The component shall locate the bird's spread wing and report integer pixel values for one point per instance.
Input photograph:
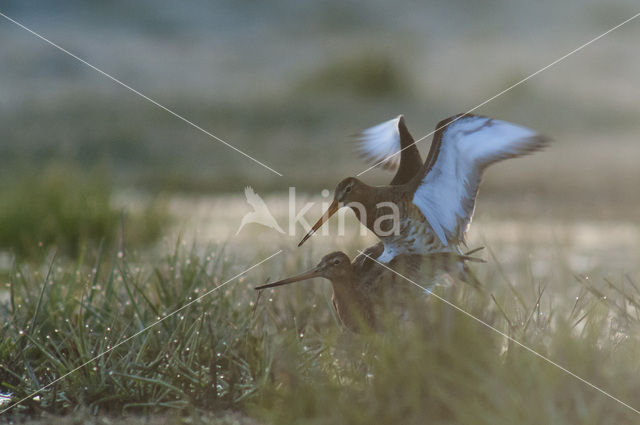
(381, 141)
(391, 143)
(460, 152)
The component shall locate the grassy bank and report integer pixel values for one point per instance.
(286, 359)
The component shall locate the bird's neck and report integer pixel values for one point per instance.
(352, 306)
(365, 207)
(370, 206)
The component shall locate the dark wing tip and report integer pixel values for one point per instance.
(536, 143)
(402, 126)
(473, 251)
(545, 140)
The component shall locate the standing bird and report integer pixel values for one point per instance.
(362, 288)
(432, 211)
(260, 213)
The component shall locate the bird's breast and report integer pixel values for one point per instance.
(414, 236)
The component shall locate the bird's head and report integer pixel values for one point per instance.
(335, 267)
(349, 190)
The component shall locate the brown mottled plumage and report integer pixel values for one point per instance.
(362, 288)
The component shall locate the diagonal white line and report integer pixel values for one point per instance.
(136, 334)
(531, 350)
(175, 114)
(577, 49)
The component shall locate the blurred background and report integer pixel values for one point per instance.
(142, 210)
(288, 82)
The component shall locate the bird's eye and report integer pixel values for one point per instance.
(348, 189)
(336, 261)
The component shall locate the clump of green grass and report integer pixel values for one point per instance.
(205, 356)
(64, 208)
(444, 367)
(289, 362)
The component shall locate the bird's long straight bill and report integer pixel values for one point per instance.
(303, 276)
(326, 216)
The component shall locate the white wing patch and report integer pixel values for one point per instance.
(381, 141)
(446, 195)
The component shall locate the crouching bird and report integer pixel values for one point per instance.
(364, 288)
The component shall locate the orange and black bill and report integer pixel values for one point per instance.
(303, 276)
(326, 216)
